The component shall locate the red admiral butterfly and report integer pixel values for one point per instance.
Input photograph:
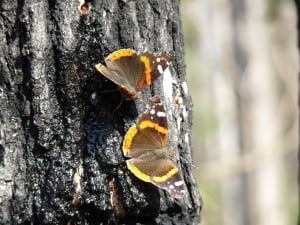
(146, 144)
(133, 72)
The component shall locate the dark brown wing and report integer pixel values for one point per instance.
(121, 81)
(174, 184)
(162, 172)
(138, 142)
(157, 62)
(123, 67)
(155, 114)
(150, 133)
(133, 72)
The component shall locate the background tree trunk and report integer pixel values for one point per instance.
(60, 146)
(242, 66)
(298, 29)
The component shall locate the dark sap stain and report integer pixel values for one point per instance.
(2, 150)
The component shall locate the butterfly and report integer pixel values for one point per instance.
(146, 145)
(133, 71)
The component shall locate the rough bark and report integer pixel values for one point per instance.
(60, 142)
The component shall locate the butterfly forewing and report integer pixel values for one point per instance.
(155, 114)
(128, 67)
(133, 72)
(159, 62)
(152, 127)
(116, 78)
(154, 66)
(146, 140)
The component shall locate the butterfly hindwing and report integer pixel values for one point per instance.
(161, 172)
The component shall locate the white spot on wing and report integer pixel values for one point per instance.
(178, 183)
(161, 114)
(152, 111)
(158, 60)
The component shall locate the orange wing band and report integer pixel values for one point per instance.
(144, 177)
(139, 174)
(146, 62)
(149, 124)
(120, 53)
(99, 67)
(173, 171)
(128, 139)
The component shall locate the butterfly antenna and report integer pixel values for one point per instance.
(118, 106)
(145, 104)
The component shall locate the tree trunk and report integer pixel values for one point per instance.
(60, 133)
(298, 37)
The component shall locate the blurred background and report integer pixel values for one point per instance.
(242, 66)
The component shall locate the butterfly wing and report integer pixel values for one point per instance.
(133, 72)
(122, 66)
(174, 184)
(155, 114)
(146, 145)
(155, 65)
(122, 82)
(150, 133)
(161, 172)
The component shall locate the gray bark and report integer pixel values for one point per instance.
(60, 143)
